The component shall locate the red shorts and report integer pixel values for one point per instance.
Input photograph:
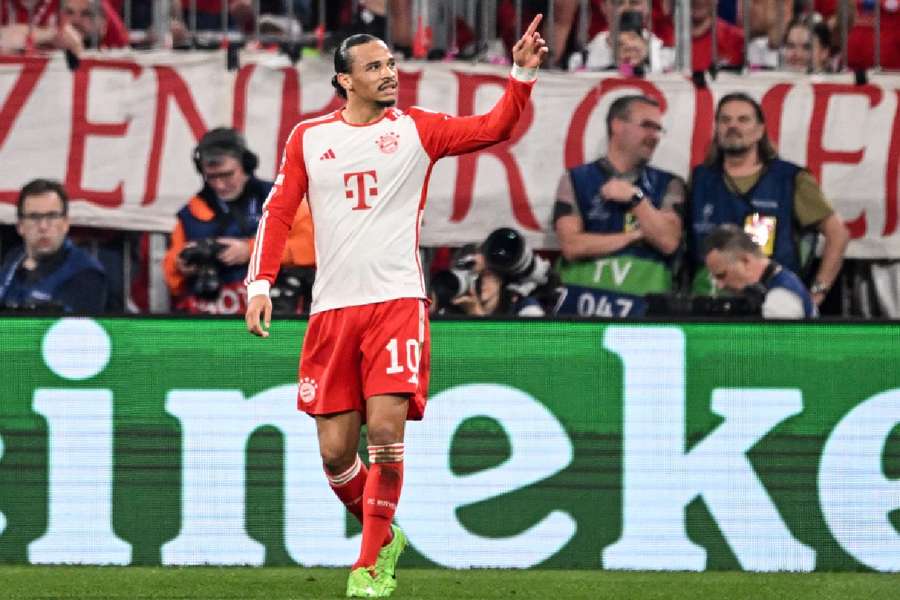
(353, 353)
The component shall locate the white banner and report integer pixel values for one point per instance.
(119, 132)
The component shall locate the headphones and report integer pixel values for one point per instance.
(224, 140)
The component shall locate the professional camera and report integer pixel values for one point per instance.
(747, 304)
(204, 254)
(457, 281)
(506, 253)
(292, 291)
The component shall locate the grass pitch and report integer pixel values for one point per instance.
(277, 583)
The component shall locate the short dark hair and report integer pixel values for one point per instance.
(343, 61)
(731, 238)
(36, 187)
(621, 109)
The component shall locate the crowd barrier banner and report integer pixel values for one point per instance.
(119, 132)
(762, 447)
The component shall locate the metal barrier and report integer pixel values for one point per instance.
(150, 24)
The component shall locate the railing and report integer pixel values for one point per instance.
(440, 17)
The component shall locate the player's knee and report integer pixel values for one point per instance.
(381, 434)
(337, 459)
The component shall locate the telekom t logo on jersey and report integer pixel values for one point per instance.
(355, 186)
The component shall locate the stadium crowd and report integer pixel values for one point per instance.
(682, 240)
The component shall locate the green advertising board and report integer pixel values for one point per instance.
(557, 444)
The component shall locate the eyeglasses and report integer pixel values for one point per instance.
(224, 175)
(648, 125)
(36, 218)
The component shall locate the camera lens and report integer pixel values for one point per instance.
(503, 250)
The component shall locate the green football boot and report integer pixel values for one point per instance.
(386, 564)
(361, 584)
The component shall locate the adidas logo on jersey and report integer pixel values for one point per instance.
(327, 155)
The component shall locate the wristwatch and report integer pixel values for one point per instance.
(636, 198)
(818, 288)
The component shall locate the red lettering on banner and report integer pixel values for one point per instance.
(82, 128)
(169, 86)
(32, 69)
(467, 165)
(772, 105)
(574, 149)
(408, 89)
(291, 111)
(360, 193)
(817, 155)
(239, 110)
(893, 172)
(703, 125)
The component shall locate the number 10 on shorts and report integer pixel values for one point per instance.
(413, 352)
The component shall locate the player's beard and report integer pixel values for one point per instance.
(386, 103)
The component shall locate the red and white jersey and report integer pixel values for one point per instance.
(366, 186)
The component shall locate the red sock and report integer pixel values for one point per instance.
(349, 485)
(380, 500)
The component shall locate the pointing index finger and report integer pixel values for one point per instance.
(534, 25)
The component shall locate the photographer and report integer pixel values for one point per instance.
(213, 236)
(737, 264)
(502, 278)
(49, 273)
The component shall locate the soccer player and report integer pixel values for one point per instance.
(364, 170)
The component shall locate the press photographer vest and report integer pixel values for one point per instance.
(238, 219)
(776, 276)
(614, 285)
(14, 292)
(713, 203)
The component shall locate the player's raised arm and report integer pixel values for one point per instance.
(443, 135)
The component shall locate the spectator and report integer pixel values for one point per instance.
(600, 51)
(767, 30)
(861, 39)
(618, 219)
(27, 25)
(567, 14)
(729, 39)
(829, 12)
(633, 56)
(807, 48)
(49, 272)
(140, 19)
(745, 183)
(738, 265)
(213, 237)
(98, 28)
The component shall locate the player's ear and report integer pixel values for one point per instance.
(344, 81)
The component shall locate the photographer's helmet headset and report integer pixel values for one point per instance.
(224, 140)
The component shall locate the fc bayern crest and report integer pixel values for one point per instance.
(388, 143)
(308, 388)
